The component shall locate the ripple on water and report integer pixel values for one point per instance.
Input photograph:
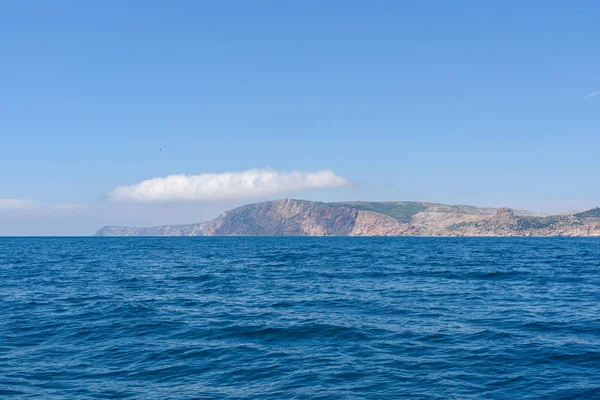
(318, 318)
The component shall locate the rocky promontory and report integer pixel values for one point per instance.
(288, 217)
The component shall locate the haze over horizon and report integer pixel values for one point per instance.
(150, 113)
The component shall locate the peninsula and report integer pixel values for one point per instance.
(289, 217)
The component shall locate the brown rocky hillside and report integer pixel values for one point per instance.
(289, 217)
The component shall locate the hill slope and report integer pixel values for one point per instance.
(306, 218)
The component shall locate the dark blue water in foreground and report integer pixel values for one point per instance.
(303, 318)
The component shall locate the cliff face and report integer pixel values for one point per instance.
(284, 218)
(305, 218)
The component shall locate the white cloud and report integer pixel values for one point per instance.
(17, 204)
(16, 208)
(227, 185)
(592, 95)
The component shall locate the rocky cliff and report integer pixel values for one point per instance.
(306, 218)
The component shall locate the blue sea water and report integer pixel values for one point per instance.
(301, 318)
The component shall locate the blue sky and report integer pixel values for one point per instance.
(464, 102)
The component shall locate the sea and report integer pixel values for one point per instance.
(299, 318)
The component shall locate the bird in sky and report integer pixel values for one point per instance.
(161, 149)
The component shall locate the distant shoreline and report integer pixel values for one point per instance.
(289, 217)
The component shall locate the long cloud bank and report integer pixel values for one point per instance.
(16, 204)
(15, 207)
(228, 185)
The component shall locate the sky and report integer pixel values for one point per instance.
(467, 102)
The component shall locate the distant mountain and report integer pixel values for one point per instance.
(289, 217)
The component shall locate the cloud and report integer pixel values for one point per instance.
(227, 185)
(14, 207)
(17, 204)
(593, 94)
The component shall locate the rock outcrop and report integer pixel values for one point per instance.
(289, 217)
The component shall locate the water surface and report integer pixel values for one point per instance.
(303, 318)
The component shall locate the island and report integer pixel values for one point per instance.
(290, 217)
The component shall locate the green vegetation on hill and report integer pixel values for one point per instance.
(593, 213)
(550, 222)
(402, 211)
(523, 224)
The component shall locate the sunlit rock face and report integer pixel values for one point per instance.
(289, 217)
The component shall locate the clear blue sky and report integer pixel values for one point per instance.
(467, 102)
